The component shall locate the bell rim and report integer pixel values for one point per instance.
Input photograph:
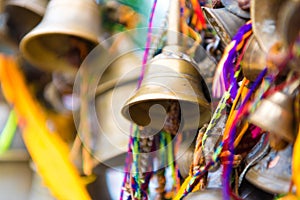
(261, 179)
(265, 179)
(206, 107)
(42, 30)
(35, 8)
(33, 35)
(212, 17)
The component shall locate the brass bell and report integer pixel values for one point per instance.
(264, 16)
(233, 7)
(169, 77)
(67, 33)
(254, 59)
(275, 115)
(288, 25)
(223, 22)
(23, 15)
(289, 29)
(7, 45)
(273, 172)
(185, 158)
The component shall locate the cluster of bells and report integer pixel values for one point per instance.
(57, 35)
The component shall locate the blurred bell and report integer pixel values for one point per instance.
(23, 15)
(64, 37)
(254, 59)
(275, 115)
(224, 22)
(233, 7)
(288, 19)
(273, 173)
(186, 154)
(118, 80)
(264, 16)
(7, 45)
(169, 77)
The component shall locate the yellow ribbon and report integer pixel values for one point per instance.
(49, 152)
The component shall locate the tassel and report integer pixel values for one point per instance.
(229, 137)
(198, 19)
(225, 75)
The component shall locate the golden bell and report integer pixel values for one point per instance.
(254, 59)
(273, 172)
(288, 19)
(275, 115)
(23, 15)
(233, 7)
(169, 77)
(7, 45)
(223, 22)
(264, 16)
(67, 33)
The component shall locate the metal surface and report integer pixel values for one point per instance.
(23, 15)
(185, 160)
(233, 7)
(264, 16)
(173, 23)
(254, 60)
(7, 45)
(276, 115)
(169, 78)
(15, 181)
(223, 22)
(117, 82)
(62, 34)
(288, 21)
(273, 173)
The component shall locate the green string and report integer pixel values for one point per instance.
(8, 133)
(218, 112)
(135, 166)
(170, 157)
(264, 87)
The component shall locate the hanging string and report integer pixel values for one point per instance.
(147, 47)
(229, 140)
(198, 19)
(218, 112)
(224, 75)
(141, 77)
(215, 158)
(135, 183)
(178, 140)
(128, 161)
